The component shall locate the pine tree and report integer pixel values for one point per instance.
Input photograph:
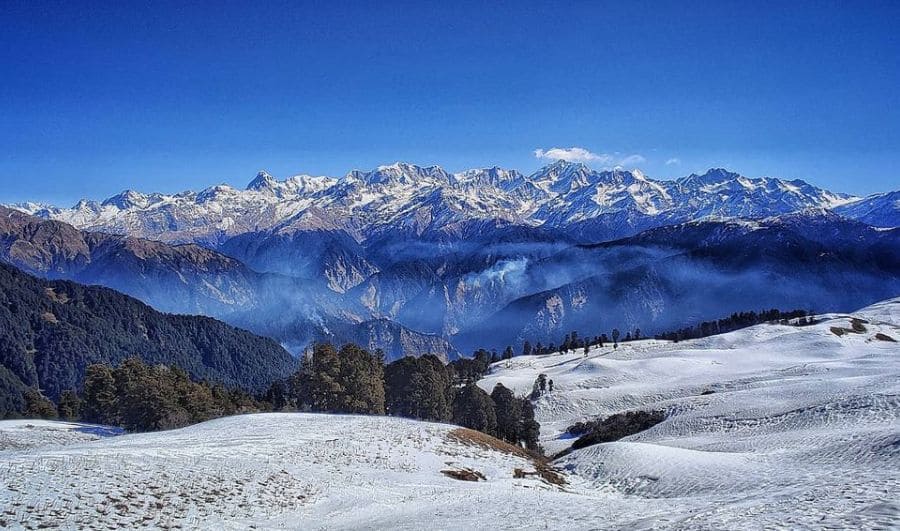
(351, 381)
(363, 376)
(526, 349)
(99, 401)
(38, 406)
(418, 388)
(509, 413)
(69, 405)
(529, 429)
(279, 396)
(147, 397)
(539, 387)
(473, 408)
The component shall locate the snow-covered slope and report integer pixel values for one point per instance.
(653, 281)
(767, 426)
(407, 199)
(879, 210)
(31, 433)
(274, 471)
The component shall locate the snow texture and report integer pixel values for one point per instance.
(768, 427)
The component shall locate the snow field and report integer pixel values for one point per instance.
(768, 427)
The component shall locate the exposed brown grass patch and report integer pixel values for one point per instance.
(465, 474)
(840, 331)
(550, 474)
(482, 440)
(884, 337)
(857, 325)
(49, 317)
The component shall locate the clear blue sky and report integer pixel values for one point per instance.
(169, 96)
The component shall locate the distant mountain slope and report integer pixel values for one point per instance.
(187, 278)
(51, 330)
(879, 210)
(182, 278)
(682, 274)
(328, 256)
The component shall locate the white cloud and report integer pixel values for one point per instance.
(674, 161)
(631, 160)
(572, 154)
(578, 154)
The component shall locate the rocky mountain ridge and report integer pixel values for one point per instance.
(413, 200)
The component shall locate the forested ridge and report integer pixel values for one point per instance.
(50, 331)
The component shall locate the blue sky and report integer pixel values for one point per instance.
(169, 96)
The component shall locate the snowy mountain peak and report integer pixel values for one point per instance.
(561, 167)
(309, 184)
(400, 173)
(398, 167)
(493, 176)
(563, 177)
(618, 176)
(712, 176)
(292, 187)
(263, 181)
(214, 193)
(127, 199)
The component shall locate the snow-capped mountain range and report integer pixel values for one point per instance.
(415, 259)
(416, 200)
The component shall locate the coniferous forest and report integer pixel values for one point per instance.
(51, 331)
(350, 380)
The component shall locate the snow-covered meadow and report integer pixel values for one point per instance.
(767, 426)
(771, 426)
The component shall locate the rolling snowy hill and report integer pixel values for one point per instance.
(767, 426)
(770, 426)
